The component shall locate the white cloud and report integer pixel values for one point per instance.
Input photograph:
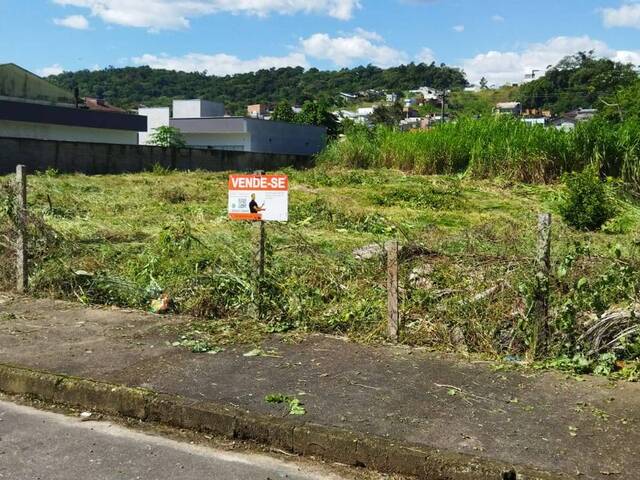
(625, 16)
(77, 22)
(458, 28)
(219, 64)
(506, 67)
(359, 47)
(55, 69)
(175, 14)
(426, 55)
(497, 18)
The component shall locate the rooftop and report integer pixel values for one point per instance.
(19, 83)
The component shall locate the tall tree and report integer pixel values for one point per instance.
(578, 81)
(283, 112)
(317, 113)
(387, 115)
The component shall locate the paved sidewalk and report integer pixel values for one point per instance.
(585, 429)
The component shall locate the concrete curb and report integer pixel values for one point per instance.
(328, 443)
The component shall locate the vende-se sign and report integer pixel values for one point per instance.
(259, 198)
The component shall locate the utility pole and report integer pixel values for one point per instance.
(444, 104)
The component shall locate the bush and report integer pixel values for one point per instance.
(586, 205)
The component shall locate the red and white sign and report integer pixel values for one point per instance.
(259, 198)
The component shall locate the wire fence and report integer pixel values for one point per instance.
(472, 293)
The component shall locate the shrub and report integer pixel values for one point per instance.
(586, 205)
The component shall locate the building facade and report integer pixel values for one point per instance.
(235, 133)
(30, 107)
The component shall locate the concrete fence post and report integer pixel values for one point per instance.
(543, 274)
(22, 275)
(393, 314)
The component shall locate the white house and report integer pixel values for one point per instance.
(349, 97)
(509, 108)
(427, 92)
(360, 116)
(203, 125)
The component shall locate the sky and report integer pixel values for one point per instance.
(501, 40)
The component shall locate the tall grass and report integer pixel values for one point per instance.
(494, 147)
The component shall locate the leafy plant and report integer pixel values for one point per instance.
(197, 346)
(586, 205)
(295, 406)
(166, 136)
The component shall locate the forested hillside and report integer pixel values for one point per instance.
(131, 86)
(578, 81)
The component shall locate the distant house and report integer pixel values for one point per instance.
(259, 110)
(537, 112)
(410, 112)
(535, 120)
(509, 108)
(350, 97)
(564, 124)
(411, 123)
(360, 116)
(570, 119)
(427, 93)
(101, 105)
(31, 107)
(204, 125)
(583, 114)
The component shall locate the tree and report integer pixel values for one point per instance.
(167, 137)
(317, 113)
(624, 105)
(129, 87)
(387, 115)
(283, 113)
(484, 84)
(577, 81)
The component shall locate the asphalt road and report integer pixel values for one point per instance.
(37, 445)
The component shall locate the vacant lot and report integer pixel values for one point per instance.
(466, 277)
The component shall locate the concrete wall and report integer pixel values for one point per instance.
(156, 117)
(282, 137)
(46, 131)
(225, 141)
(102, 158)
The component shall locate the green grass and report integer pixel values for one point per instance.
(126, 239)
(494, 147)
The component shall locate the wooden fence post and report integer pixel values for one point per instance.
(260, 261)
(393, 315)
(22, 274)
(543, 273)
(261, 249)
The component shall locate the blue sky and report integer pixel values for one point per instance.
(498, 39)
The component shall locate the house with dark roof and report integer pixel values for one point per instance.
(31, 107)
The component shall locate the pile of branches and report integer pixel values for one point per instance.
(611, 329)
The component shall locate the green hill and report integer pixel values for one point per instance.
(131, 86)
